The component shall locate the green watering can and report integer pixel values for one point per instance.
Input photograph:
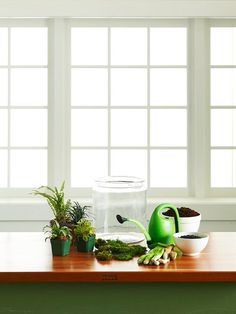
(161, 228)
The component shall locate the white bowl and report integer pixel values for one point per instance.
(189, 224)
(191, 247)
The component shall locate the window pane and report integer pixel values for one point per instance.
(129, 163)
(89, 87)
(89, 127)
(223, 46)
(128, 127)
(3, 128)
(29, 46)
(128, 46)
(29, 87)
(3, 87)
(168, 87)
(222, 168)
(3, 168)
(89, 46)
(168, 168)
(87, 165)
(28, 127)
(223, 87)
(28, 168)
(128, 87)
(223, 132)
(168, 46)
(4, 46)
(168, 127)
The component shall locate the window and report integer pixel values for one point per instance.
(144, 97)
(128, 90)
(23, 105)
(223, 107)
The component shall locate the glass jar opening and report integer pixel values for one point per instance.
(119, 182)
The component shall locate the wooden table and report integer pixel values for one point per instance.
(25, 257)
(32, 281)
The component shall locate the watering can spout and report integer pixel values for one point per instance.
(137, 223)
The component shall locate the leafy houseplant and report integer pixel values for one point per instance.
(85, 235)
(56, 200)
(60, 238)
(78, 212)
(75, 214)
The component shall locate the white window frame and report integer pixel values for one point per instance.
(85, 192)
(59, 103)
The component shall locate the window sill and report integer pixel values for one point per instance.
(35, 209)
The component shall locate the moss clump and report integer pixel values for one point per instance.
(103, 256)
(116, 249)
(138, 250)
(123, 256)
(100, 242)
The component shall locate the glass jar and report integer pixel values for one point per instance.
(115, 195)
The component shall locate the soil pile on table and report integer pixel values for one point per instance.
(183, 212)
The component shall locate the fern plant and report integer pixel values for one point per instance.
(84, 229)
(57, 232)
(56, 200)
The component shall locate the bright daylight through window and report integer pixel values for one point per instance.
(125, 97)
(23, 106)
(128, 89)
(223, 107)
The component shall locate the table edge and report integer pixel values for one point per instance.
(180, 276)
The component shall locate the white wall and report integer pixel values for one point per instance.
(117, 8)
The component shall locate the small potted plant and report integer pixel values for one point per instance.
(60, 238)
(85, 234)
(75, 214)
(55, 198)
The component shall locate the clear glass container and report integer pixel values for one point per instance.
(114, 195)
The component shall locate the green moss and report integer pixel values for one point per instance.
(117, 249)
(123, 256)
(103, 255)
(138, 250)
(100, 242)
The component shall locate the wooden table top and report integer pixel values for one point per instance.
(25, 257)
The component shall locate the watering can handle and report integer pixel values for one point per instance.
(176, 217)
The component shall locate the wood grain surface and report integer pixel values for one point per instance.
(25, 257)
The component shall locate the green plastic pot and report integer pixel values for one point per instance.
(85, 246)
(60, 247)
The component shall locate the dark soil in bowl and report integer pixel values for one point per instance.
(183, 212)
(190, 236)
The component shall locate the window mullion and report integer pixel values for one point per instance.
(109, 101)
(57, 106)
(199, 112)
(8, 109)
